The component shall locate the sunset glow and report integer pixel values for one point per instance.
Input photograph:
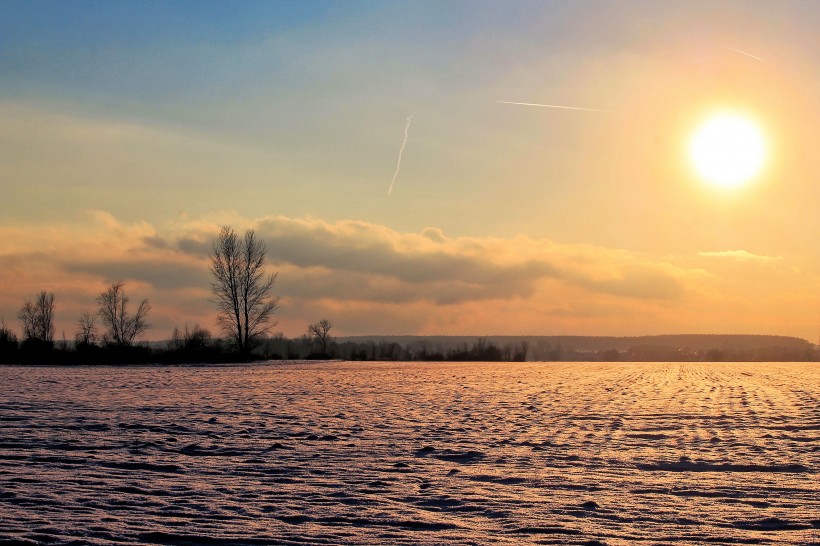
(617, 168)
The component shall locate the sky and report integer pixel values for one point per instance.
(132, 131)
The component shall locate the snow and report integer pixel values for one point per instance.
(432, 453)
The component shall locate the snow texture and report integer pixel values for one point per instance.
(411, 453)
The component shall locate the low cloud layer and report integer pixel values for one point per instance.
(432, 266)
(368, 278)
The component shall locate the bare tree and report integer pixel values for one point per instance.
(520, 351)
(37, 318)
(27, 315)
(242, 289)
(192, 339)
(8, 339)
(6, 332)
(319, 332)
(86, 333)
(123, 327)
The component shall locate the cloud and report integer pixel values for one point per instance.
(740, 255)
(452, 270)
(158, 273)
(411, 259)
(358, 273)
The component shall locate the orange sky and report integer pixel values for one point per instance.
(127, 143)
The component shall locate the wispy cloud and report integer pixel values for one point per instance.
(740, 255)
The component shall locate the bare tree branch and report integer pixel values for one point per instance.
(37, 318)
(86, 329)
(241, 288)
(123, 327)
(320, 333)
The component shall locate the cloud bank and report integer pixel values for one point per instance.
(366, 277)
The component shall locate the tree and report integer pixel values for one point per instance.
(86, 333)
(242, 289)
(8, 342)
(520, 351)
(37, 318)
(192, 339)
(319, 332)
(123, 327)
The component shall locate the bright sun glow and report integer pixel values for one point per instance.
(727, 150)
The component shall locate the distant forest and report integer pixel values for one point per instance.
(682, 347)
(195, 345)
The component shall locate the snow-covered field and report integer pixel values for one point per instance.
(387, 453)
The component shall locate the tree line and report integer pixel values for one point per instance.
(242, 293)
(310, 346)
(37, 320)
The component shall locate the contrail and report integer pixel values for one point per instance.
(556, 106)
(747, 54)
(401, 151)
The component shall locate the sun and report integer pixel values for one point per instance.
(728, 150)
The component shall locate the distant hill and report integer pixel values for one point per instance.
(602, 343)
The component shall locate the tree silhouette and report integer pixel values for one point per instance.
(8, 342)
(86, 333)
(123, 327)
(191, 339)
(319, 332)
(241, 288)
(37, 318)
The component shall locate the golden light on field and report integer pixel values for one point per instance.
(728, 150)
